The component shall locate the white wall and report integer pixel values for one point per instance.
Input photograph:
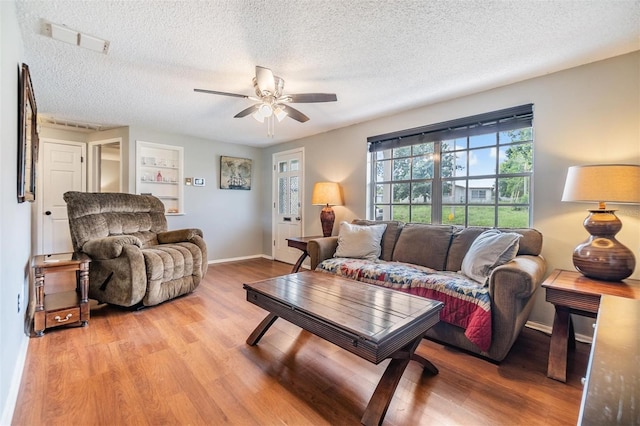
(229, 219)
(15, 219)
(588, 114)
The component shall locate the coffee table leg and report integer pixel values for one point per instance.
(426, 364)
(262, 328)
(381, 398)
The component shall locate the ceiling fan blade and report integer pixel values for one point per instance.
(214, 92)
(304, 98)
(295, 114)
(265, 80)
(246, 111)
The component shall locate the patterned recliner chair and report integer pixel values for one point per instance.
(134, 259)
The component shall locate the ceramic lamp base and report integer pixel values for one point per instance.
(327, 218)
(601, 256)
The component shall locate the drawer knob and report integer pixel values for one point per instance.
(67, 318)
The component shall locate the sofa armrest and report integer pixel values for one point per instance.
(178, 235)
(520, 278)
(109, 247)
(320, 249)
(512, 287)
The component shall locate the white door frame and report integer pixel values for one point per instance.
(274, 194)
(94, 166)
(39, 185)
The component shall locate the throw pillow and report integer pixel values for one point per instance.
(360, 241)
(491, 249)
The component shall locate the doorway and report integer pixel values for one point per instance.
(288, 194)
(62, 169)
(105, 166)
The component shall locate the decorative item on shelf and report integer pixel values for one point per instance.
(326, 194)
(159, 177)
(601, 256)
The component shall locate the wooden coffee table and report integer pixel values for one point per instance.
(372, 322)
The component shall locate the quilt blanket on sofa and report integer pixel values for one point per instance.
(466, 303)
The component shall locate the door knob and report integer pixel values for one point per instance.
(48, 213)
(298, 218)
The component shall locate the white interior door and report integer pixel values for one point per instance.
(63, 170)
(288, 185)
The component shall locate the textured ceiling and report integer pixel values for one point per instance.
(379, 57)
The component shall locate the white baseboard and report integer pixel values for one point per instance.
(235, 259)
(16, 379)
(547, 330)
(256, 256)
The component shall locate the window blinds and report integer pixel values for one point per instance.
(496, 121)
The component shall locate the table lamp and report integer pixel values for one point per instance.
(326, 194)
(601, 256)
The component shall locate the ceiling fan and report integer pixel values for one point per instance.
(271, 102)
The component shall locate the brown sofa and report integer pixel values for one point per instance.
(511, 286)
(134, 259)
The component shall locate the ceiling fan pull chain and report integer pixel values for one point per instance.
(270, 126)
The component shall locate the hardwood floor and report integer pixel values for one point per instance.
(186, 362)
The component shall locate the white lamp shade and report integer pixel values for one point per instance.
(615, 183)
(326, 193)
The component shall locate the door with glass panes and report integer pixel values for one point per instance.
(288, 184)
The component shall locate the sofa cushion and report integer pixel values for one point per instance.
(460, 244)
(390, 236)
(424, 245)
(361, 242)
(529, 244)
(489, 250)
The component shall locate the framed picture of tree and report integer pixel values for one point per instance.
(235, 173)
(27, 138)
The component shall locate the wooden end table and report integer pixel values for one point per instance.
(301, 244)
(66, 307)
(372, 322)
(573, 293)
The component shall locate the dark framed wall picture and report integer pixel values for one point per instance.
(27, 138)
(235, 173)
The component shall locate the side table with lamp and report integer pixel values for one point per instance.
(601, 256)
(602, 261)
(325, 194)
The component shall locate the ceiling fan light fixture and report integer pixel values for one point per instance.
(258, 116)
(265, 110)
(280, 113)
(270, 102)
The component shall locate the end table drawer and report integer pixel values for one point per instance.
(62, 317)
(583, 302)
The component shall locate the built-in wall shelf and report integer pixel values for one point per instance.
(159, 172)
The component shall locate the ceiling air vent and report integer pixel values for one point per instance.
(68, 35)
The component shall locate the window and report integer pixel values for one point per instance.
(474, 171)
